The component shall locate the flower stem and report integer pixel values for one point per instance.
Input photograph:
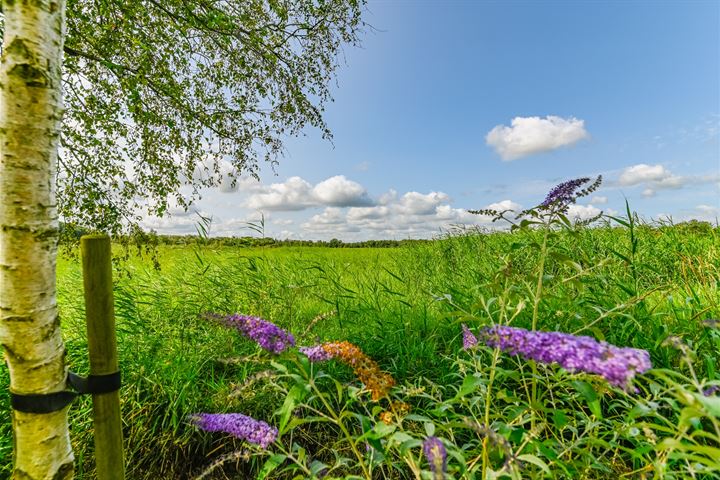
(338, 421)
(488, 397)
(536, 309)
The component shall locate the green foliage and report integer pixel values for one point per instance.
(403, 306)
(162, 94)
(579, 427)
(262, 241)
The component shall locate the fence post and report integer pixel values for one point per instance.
(102, 347)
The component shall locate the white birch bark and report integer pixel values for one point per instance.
(30, 121)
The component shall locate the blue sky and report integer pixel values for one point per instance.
(630, 90)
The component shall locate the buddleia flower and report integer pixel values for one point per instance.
(315, 353)
(266, 334)
(365, 368)
(574, 353)
(711, 391)
(568, 192)
(238, 425)
(469, 340)
(436, 456)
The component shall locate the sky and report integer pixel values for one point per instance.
(455, 105)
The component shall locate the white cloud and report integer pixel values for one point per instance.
(362, 166)
(282, 221)
(505, 205)
(657, 177)
(708, 213)
(293, 194)
(330, 223)
(388, 197)
(341, 192)
(599, 200)
(672, 181)
(330, 216)
(642, 173)
(415, 203)
(180, 223)
(225, 176)
(298, 194)
(703, 212)
(709, 209)
(582, 212)
(366, 213)
(530, 135)
(412, 215)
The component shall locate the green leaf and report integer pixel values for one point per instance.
(270, 464)
(469, 385)
(317, 466)
(400, 437)
(294, 396)
(560, 257)
(711, 404)
(383, 430)
(529, 458)
(559, 418)
(588, 393)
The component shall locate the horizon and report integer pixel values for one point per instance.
(489, 105)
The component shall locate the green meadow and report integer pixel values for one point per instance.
(632, 286)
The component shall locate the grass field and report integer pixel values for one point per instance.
(631, 286)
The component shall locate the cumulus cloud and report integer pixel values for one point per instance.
(657, 177)
(709, 209)
(330, 216)
(368, 213)
(298, 194)
(293, 194)
(648, 192)
(505, 205)
(708, 213)
(180, 222)
(582, 212)
(226, 178)
(642, 173)
(530, 135)
(340, 192)
(282, 221)
(415, 203)
(599, 200)
(411, 215)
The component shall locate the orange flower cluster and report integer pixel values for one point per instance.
(365, 368)
(397, 410)
(386, 417)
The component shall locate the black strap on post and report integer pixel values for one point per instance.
(52, 402)
(95, 384)
(43, 403)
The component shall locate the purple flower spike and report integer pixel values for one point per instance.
(436, 456)
(564, 192)
(711, 391)
(574, 353)
(316, 353)
(567, 192)
(238, 425)
(469, 340)
(269, 336)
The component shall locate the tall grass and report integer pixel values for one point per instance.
(628, 283)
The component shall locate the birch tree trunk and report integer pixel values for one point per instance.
(30, 122)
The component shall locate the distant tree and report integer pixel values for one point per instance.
(159, 95)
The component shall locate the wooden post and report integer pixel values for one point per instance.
(102, 346)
